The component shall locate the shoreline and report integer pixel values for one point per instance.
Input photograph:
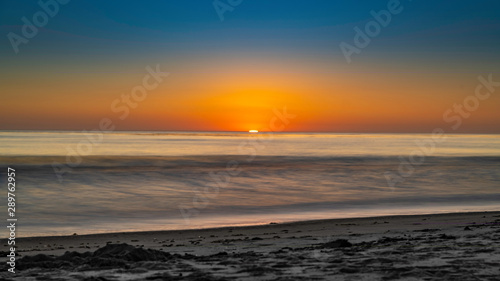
(300, 222)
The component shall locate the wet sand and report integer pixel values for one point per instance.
(457, 246)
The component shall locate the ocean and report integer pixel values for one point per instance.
(83, 182)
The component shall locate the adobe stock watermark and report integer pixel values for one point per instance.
(223, 6)
(363, 37)
(221, 179)
(29, 30)
(455, 116)
(121, 106)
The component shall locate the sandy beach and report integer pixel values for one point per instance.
(457, 246)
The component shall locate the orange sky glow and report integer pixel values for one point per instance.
(241, 95)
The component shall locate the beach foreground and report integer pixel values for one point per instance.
(457, 246)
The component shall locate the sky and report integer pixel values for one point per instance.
(232, 64)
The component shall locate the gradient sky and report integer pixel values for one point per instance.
(229, 75)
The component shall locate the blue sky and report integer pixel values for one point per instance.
(120, 27)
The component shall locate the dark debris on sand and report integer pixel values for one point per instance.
(111, 255)
(339, 243)
(122, 258)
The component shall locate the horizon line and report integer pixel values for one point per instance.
(201, 131)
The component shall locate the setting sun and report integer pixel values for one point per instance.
(253, 131)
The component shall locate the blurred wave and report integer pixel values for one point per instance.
(119, 193)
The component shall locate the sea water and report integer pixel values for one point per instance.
(79, 182)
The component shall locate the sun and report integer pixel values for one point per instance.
(253, 131)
